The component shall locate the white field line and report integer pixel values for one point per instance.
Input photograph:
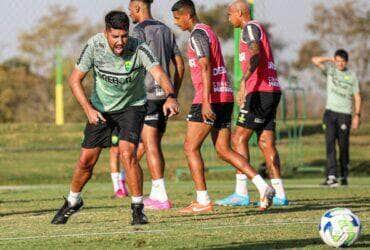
(159, 231)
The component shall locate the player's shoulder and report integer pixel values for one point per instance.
(251, 32)
(152, 23)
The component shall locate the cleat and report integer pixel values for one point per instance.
(151, 204)
(122, 185)
(196, 208)
(267, 199)
(65, 212)
(138, 217)
(280, 202)
(344, 182)
(234, 200)
(331, 182)
(119, 194)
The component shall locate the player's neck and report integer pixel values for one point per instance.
(245, 21)
(145, 16)
(194, 21)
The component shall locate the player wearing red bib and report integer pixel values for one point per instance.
(258, 98)
(211, 110)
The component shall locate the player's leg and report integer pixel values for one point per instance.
(331, 134)
(240, 144)
(343, 141)
(117, 174)
(81, 175)
(131, 122)
(221, 139)
(195, 136)
(266, 143)
(96, 137)
(153, 130)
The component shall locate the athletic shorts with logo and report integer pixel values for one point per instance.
(259, 111)
(154, 116)
(127, 123)
(223, 112)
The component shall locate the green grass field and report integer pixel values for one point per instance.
(37, 160)
(26, 211)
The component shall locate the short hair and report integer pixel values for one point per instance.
(187, 4)
(147, 2)
(117, 20)
(342, 54)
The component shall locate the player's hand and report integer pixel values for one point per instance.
(171, 107)
(207, 112)
(94, 116)
(240, 98)
(356, 122)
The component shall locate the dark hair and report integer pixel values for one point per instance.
(342, 54)
(117, 20)
(187, 4)
(147, 2)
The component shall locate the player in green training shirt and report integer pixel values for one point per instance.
(342, 88)
(119, 63)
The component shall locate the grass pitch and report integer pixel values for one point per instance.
(26, 212)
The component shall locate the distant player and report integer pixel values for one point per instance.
(258, 98)
(119, 63)
(162, 43)
(212, 108)
(117, 174)
(342, 88)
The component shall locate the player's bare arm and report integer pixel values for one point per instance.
(252, 66)
(171, 106)
(75, 83)
(356, 121)
(319, 61)
(178, 63)
(207, 111)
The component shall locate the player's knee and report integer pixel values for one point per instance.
(128, 157)
(85, 165)
(189, 148)
(223, 152)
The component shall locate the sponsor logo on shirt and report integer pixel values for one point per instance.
(192, 63)
(242, 57)
(273, 82)
(219, 71)
(271, 65)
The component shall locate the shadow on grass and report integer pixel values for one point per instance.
(363, 242)
(311, 205)
(45, 211)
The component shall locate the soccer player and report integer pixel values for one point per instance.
(342, 88)
(212, 108)
(119, 63)
(258, 98)
(161, 41)
(117, 174)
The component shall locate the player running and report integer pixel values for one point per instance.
(117, 174)
(161, 41)
(212, 108)
(258, 98)
(119, 63)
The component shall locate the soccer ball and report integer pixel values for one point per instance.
(339, 227)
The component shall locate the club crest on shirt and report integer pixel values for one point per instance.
(128, 65)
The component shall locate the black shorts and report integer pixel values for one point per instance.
(223, 111)
(259, 111)
(128, 122)
(154, 116)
